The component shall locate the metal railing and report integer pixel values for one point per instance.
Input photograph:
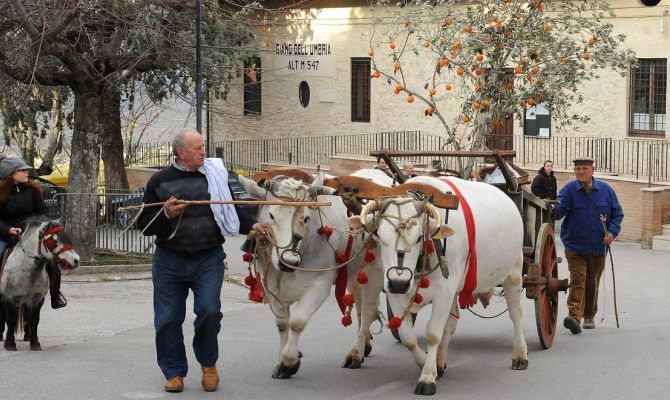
(110, 223)
(639, 158)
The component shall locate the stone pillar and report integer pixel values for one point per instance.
(652, 215)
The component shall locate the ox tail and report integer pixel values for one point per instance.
(20, 320)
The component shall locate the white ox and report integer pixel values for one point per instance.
(301, 266)
(401, 230)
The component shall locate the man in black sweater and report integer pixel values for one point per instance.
(189, 255)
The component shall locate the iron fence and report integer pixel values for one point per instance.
(110, 222)
(639, 158)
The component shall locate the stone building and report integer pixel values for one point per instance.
(315, 81)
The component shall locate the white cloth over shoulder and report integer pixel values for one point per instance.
(217, 180)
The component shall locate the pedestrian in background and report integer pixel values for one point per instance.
(544, 184)
(382, 166)
(408, 169)
(592, 219)
(188, 256)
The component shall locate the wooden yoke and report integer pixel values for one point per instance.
(364, 188)
(291, 172)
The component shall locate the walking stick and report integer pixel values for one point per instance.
(603, 219)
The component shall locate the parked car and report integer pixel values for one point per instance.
(52, 198)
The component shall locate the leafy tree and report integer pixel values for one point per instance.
(94, 48)
(493, 58)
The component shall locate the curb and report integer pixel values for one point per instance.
(108, 269)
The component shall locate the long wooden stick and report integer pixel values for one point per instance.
(241, 202)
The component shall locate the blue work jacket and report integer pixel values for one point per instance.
(582, 230)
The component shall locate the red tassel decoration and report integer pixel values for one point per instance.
(425, 283)
(340, 258)
(428, 247)
(250, 280)
(362, 278)
(369, 257)
(247, 257)
(394, 323)
(348, 299)
(256, 295)
(346, 320)
(418, 298)
(327, 230)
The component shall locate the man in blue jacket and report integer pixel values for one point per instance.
(593, 218)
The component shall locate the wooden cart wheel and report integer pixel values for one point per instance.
(546, 303)
(389, 314)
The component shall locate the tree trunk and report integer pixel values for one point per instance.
(55, 135)
(82, 200)
(112, 150)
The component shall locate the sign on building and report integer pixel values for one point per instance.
(304, 59)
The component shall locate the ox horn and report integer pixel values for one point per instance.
(372, 206)
(317, 188)
(434, 212)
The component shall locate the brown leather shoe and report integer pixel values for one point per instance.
(174, 384)
(589, 324)
(210, 379)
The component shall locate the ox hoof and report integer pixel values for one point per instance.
(425, 389)
(10, 346)
(368, 349)
(36, 346)
(519, 364)
(440, 371)
(352, 362)
(284, 372)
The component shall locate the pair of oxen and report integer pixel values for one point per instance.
(387, 246)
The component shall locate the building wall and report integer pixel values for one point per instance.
(344, 29)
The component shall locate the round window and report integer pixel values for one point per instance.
(303, 93)
(650, 3)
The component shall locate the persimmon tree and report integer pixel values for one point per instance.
(488, 59)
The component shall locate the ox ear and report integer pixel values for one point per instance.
(445, 231)
(252, 188)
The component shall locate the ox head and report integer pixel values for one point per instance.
(402, 225)
(288, 225)
(56, 245)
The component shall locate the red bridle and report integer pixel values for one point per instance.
(46, 238)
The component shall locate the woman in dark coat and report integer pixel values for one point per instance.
(544, 184)
(21, 199)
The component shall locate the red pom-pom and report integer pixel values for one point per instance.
(425, 283)
(348, 299)
(418, 298)
(340, 258)
(428, 247)
(327, 230)
(394, 323)
(346, 320)
(250, 280)
(256, 295)
(247, 257)
(369, 257)
(362, 278)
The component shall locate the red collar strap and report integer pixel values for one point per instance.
(64, 249)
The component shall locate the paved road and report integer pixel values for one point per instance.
(101, 347)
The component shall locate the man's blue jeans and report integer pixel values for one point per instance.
(173, 276)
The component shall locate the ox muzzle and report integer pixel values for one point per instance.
(398, 277)
(291, 258)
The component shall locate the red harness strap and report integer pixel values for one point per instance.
(465, 297)
(342, 276)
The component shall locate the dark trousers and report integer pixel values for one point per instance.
(585, 274)
(173, 276)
